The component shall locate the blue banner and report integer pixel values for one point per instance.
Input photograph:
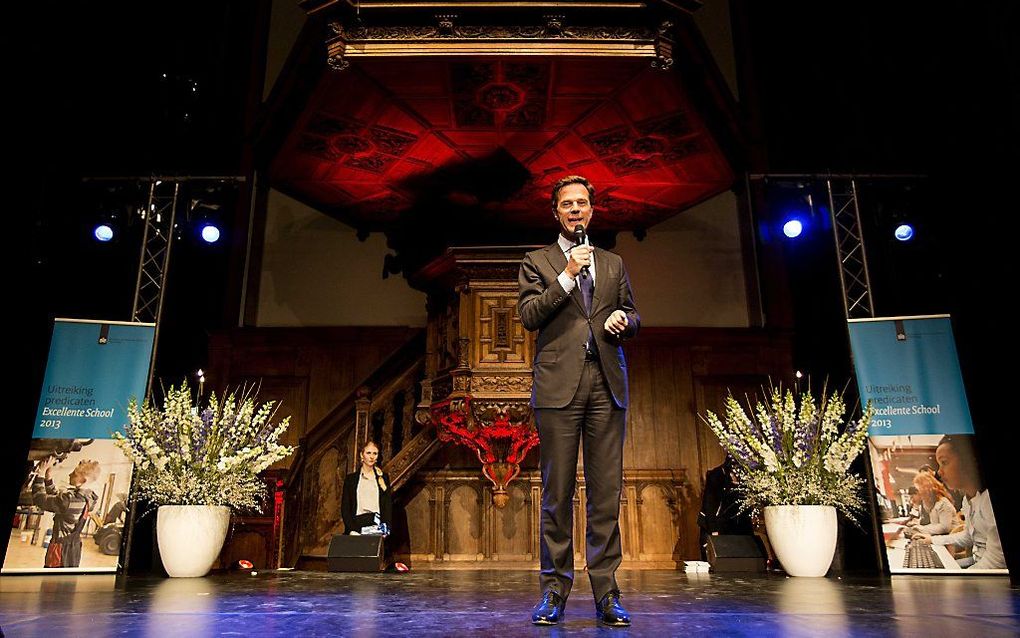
(72, 506)
(935, 510)
(909, 370)
(93, 370)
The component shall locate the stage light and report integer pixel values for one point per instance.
(904, 232)
(103, 232)
(210, 233)
(793, 228)
(202, 215)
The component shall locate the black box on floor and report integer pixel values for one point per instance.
(735, 553)
(355, 554)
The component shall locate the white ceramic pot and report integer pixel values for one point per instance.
(190, 537)
(803, 537)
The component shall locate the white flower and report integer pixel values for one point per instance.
(797, 452)
(222, 470)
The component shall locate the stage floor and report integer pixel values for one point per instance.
(488, 603)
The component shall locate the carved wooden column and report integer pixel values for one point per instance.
(438, 503)
(632, 526)
(407, 416)
(362, 424)
(478, 371)
(488, 525)
(389, 421)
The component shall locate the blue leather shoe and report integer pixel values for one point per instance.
(610, 612)
(549, 610)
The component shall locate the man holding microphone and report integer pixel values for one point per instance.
(579, 299)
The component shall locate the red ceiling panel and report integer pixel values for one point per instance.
(435, 111)
(578, 77)
(370, 134)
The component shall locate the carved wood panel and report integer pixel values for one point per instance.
(511, 527)
(501, 338)
(464, 528)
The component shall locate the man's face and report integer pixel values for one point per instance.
(572, 208)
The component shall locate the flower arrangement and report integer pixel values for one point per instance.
(184, 456)
(794, 454)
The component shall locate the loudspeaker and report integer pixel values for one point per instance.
(735, 553)
(355, 554)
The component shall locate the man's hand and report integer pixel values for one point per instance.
(924, 539)
(580, 256)
(617, 322)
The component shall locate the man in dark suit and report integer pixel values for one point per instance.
(579, 300)
(720, 506)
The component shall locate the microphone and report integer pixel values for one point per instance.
(581, 238)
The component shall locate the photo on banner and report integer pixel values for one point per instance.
(935, 509)
(72, 502)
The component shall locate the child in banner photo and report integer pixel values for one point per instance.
(958, 469)
(70, 509)
(937, 513)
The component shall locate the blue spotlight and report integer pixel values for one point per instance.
(210, 233)
(793, 228)
(904, 232)
(103, 232)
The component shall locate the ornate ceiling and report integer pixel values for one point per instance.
(390, 135)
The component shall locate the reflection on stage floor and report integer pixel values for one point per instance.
(490, 603)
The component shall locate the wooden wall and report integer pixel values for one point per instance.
(675, 374)
(452, 522)
(309, 370)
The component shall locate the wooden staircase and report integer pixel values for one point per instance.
(382, 409)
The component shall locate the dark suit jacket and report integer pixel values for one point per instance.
(349, 501)
(562, 324)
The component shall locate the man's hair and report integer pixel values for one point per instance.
(567, 181)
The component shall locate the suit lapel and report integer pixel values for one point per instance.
(601, 279)
(558, 261)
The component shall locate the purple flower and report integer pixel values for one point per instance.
(807, 434)
(777, 436)
(740, 451)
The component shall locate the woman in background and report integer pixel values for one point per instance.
(366, 494)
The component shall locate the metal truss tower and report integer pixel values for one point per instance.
(853, 261)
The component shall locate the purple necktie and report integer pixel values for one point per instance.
(587, 290)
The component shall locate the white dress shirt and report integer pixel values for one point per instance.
(368, 495)
(566, 280)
